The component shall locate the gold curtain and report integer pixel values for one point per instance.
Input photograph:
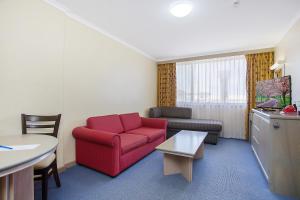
(278, 73)
(258, 69)
(166, 84)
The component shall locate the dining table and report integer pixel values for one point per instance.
(18, 155)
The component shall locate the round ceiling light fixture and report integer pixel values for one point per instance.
(181, 8)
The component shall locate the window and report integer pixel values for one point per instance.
(215, 89)
(218, 80)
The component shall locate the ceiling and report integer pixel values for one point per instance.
(214, 26)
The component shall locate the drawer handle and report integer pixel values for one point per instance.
(276, 125)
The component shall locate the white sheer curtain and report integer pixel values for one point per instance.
(215, 89)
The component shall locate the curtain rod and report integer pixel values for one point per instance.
(217, 55)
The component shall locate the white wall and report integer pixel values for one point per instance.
(289, 50)
(102, 77)
(31, 52)
(50, 63)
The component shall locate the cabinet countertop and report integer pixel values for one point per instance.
(277, 115)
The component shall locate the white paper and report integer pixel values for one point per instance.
(20, 147)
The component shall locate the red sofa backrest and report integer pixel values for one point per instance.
(111, 123)
(131, 121)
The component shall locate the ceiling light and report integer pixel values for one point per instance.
(181, 8)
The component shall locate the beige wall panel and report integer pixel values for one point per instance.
(289, 50)
(50, 63)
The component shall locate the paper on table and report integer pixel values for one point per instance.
(20, 147)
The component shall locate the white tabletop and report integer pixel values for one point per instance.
(12, 161)
(185, 143)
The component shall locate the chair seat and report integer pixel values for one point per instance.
(151, 133)
(45, 163)
(131, 141)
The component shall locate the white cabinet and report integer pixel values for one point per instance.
(275, 140)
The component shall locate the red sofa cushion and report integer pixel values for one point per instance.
(131, 121)
(151, 133)
(110, 123)
(131, 141)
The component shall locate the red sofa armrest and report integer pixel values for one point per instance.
(96, 136)
(155, 123)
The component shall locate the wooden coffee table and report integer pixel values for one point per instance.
(180, 151)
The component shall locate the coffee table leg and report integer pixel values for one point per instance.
(200, 152)
(174, 164)
(187, 168)
(171, 164)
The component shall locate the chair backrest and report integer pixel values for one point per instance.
(46, 125)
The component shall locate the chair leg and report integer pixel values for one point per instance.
(55, 175)
(45, 186)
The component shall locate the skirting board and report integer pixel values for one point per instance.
(66, 166)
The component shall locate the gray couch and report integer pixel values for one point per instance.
(180, 118)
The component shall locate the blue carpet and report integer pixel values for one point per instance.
(228, 171)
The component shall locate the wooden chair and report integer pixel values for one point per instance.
(46, 125)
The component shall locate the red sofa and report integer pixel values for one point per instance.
(112, 143)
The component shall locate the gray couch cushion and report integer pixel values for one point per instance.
(176, 112)
(155, 112)
(195, 124)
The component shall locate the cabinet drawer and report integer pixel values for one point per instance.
(256, 120)
(260, 140)
(256, 145)
(256, 131)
